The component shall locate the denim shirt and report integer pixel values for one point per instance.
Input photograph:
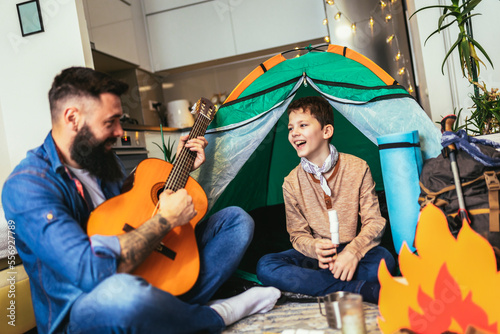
(50, 216)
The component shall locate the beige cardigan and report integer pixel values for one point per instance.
(353, 195)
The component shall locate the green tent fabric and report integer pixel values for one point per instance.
(335, 74)
(249, 153)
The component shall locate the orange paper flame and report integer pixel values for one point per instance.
(450, 285)
(449, 306)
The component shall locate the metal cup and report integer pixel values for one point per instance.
(332, 312)
(352, 313)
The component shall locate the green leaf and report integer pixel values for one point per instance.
(439, 30)
(470, 6)
(464, 45)
(163, 143)
(421, 9)
(477, 45)
(461, 58)
(496, 114)
(161, 149)
(449, 52)
(468, 17)
(441, 20)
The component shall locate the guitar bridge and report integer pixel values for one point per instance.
(161, 248)
(166, 251)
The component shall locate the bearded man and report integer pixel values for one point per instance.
(81, 284)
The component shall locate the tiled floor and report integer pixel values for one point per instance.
(297, 316)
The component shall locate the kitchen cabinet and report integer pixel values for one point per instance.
(155, 6)
(190, 35)
(210, 30)
(111, 28)
(264, 24)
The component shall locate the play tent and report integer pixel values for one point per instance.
(249, 154)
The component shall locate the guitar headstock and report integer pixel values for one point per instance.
(206, 108)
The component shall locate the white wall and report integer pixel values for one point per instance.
(4, 156)
(27, 68)
(486, 33)
(141, 39)
(451, 90)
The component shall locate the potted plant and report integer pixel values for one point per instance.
(168, 150)
(485, 117)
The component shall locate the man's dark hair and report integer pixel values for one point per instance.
(318, 106)
(82, 82)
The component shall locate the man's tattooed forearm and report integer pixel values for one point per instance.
(136, 245)
(163, 221)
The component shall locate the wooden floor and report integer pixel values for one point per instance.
(297, 316)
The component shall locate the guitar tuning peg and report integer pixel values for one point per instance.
(194, 108)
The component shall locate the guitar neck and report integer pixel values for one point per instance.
(184, 162)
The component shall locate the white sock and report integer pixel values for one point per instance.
(254, 300)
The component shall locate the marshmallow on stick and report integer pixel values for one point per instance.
(334, 226)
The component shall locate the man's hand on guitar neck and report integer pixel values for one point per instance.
(197, 145)
(175, 209)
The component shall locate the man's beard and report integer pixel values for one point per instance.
(91, 154)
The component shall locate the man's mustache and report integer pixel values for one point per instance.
(111, 140)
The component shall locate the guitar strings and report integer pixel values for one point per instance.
(184, 157)
(198, 129)
(174, 173)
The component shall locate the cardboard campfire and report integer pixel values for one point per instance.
(450, 286)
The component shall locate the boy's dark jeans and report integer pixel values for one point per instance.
(294, 272)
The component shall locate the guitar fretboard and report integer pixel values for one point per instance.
(185, 160)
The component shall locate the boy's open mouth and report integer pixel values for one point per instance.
(300, 143)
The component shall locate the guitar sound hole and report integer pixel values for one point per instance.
(159, 193)
(156, 190)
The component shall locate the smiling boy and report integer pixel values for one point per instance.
(326, 180)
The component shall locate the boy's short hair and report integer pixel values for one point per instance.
(318, 106)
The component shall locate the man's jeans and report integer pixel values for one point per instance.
(127, 304)
(294, 272)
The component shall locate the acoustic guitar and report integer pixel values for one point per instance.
(174, 265)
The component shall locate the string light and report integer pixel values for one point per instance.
(382, 9)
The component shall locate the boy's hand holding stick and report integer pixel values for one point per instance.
(326, 253)
(326, 250)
